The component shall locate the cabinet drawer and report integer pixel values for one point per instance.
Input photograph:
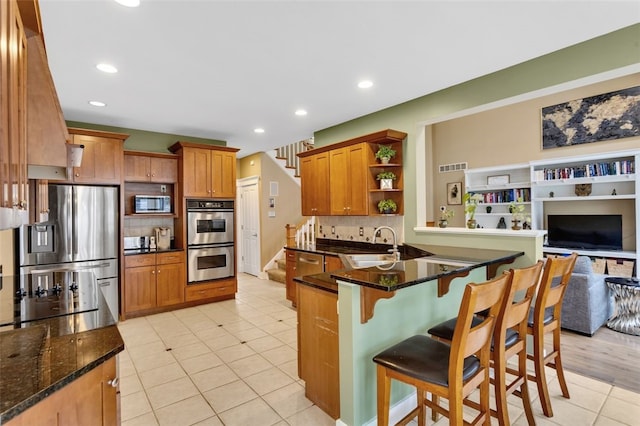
(170, 257)
(133, 261)
(205, 291)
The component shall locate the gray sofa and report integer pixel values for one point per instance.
(587, 302)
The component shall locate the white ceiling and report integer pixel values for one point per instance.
(219, 69)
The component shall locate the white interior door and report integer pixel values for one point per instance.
(249, 230)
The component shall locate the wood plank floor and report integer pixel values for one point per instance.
(608, 356)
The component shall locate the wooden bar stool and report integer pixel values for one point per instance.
(545, 318)
(509, 339)
(449, 371)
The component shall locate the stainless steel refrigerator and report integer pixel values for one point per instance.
(81, 235)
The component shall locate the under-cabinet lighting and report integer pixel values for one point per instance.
(74, 155)
(365, 84)
(259, 130)
(301, 112)
(97, 103)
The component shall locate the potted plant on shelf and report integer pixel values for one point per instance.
(518, 215)
(385, 153)
(471, 201)
(445, 215)
(386, 179)
(387, 206)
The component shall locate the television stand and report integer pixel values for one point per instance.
(613, 254)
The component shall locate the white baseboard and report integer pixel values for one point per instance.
(396, 412)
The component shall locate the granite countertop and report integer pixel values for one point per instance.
(40, 357)
(437, 262)
(130, 252)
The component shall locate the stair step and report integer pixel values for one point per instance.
(282, 264)
(278, 275)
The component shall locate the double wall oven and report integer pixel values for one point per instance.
(210, 240)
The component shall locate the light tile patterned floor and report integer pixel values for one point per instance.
(235, 363)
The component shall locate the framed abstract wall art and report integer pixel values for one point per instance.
(606, 117)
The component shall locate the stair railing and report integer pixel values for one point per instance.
(302, 234)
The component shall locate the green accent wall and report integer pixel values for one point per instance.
(609, 52)
(142, 140)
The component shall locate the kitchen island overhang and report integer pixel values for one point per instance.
(397, 310)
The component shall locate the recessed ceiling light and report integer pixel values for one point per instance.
(301, 112)
(97, 103)
(259, 130)
(365, 84)
(129, 3)
(108, 68)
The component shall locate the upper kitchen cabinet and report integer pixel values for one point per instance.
(102, 157)
(207, 171)
(13, 148)
(342, 178)
(348, 180)
(150, 167)
(314, 180)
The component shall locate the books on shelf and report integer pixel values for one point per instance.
(506, 196)
(603, 168)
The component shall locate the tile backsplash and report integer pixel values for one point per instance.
(138, 227)
(348, 228)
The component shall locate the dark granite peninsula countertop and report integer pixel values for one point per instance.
(39, 357)
(440, 263)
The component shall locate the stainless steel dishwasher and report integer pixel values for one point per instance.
(308, 263)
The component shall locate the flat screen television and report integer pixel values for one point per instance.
(588, 232)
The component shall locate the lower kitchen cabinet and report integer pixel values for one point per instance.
(92, 399)
(290, 272)
(318, 355)
(311, 264)
(218, 290)
(153, 280)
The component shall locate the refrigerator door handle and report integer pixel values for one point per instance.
(74, 226)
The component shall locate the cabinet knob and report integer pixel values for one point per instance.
(77, 174)
(113, 382)
(148, 174)
(153, 272)
(158, 270)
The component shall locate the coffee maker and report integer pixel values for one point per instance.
(163, 238)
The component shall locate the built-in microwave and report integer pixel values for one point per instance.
(151, 204)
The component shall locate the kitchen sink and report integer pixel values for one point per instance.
(366, 260)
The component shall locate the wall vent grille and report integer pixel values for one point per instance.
(446, 168)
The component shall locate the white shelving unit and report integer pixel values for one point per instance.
(613, 177)
(498, 186)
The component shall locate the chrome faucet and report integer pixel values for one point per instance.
(394, 250)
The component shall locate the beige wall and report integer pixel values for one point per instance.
(287, 202)
(6, 251)
(512, 134)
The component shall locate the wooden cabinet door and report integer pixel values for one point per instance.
(223, 176)
(110, 393)
(348, 180)
(318, 355)
(290, 273)
(170, 281)
(314, 175)
(137, 168)
(196, 172)
(163, 170)
(101, 160)
(139, 288)
(338, 181)
(13, 95)
(89, 400)
(332, 263)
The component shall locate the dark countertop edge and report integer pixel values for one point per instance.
(327, 280)
(322, 281)
(336, 274)
(44, 393)
(330, 247)
(133, 252)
